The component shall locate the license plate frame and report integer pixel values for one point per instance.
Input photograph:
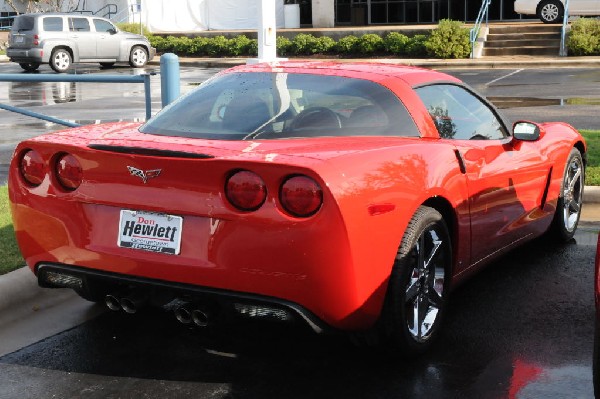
(150, 231)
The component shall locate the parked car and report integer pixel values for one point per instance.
(552, 11)
(61, 39)
(348, 196)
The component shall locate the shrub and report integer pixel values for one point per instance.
(395, 43)
(416, 46)
(199, 45)
(284, 45)
(323, 44)
(253, 47)
(181, 45)
(160, 43)
(347, 45)
(369, 43)
(217, 46)
(584, 38)
(449, 40)
(238, 45)
(303, 44)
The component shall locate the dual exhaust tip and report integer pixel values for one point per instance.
(186, 315)
(131, 304)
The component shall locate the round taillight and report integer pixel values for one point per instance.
(301, 196)
(33, 168)
(246, 190)
(68, 172)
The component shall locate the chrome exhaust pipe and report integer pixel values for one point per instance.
(183, 315)
(200, 317)
(112, 302)
(133, 303)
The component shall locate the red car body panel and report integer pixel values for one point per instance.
(335, 263)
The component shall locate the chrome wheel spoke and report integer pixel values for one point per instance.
(412, 291)
(434, 297)
(425, 286)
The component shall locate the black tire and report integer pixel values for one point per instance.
(29, 66)
(60, 60)
(418, 286)
(107, 64)
(570, 198)
(550, 12)
(138, 57)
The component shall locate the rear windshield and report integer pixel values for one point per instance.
(244, 106)
(23, 23)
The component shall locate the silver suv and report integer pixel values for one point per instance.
(61, 39)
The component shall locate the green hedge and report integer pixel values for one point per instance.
(584, 37)
(448, 40)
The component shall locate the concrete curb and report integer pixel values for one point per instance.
(591, 195)
(18, 286)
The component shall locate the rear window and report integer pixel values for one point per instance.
(53, 24)
(23, 23)
(245, 106)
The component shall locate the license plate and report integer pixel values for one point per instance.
(19, 39)
(147, 231)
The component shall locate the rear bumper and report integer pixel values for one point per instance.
(25, 55)
(164, 292)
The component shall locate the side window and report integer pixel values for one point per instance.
(53, 24)
(79, 25)
(103, 26)
(460, 115)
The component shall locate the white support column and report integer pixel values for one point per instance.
(323, 13)
(267, 33)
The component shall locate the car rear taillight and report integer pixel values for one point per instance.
(33, 168)
(68, 172)
(245, 190)
(36, 40)
(301, 196)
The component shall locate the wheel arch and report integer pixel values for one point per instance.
(581, 147)
(445, 208)
(74, 57)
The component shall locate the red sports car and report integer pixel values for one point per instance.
(349, 196)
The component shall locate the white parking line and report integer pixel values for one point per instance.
(503, 77)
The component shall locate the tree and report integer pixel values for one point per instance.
(41, 5)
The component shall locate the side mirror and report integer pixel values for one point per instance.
(112, 31)
(526, 131)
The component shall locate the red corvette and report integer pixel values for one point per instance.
(346, 196)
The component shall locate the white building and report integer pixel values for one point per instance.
(199, 15)
(193, 15)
